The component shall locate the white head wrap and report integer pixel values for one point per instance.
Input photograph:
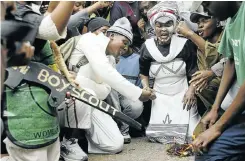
(166, 10)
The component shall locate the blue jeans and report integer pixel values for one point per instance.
(230, 146)
(130, 108)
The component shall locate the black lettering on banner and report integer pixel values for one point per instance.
(37, 135)
(46, 133)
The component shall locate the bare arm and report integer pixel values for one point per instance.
(144, 80)
(188, 33)
(197, 40)
(91, 9)
(61, 14)
(226, 82)
(236, 108)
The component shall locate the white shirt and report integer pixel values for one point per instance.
(99, 74)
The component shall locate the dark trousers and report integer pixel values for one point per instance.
(230, 146)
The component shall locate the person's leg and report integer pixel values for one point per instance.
(18, 154)
(104, 136)
(76, 117)
(230, 146)
(132, 109)
(53, 151)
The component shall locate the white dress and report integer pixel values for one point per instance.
(169, 122)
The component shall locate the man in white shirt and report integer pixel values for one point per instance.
(98, 76)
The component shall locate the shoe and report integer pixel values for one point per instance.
(71, 151)
(127, 138)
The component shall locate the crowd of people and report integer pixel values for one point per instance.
(180, 73)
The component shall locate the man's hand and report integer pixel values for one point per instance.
(189, 99)
(145, 95)
(153, 95)
(141, 24)
(102, 4)
(201, 142)
(200, 79)
(23, 55)
(210, 119)
(183, 29)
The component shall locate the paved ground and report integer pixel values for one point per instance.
(140, 150)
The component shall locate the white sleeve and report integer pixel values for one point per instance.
(101, 90)
(96, 56)
(48, 31)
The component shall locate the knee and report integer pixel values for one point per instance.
(116, 145)
(136, 109)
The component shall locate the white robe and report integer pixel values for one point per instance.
(169, 122)
(98, 77)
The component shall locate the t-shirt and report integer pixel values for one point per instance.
(233, 42)
(128, 66)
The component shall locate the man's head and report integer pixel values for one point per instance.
(221, 10)
(120, 35)
(207, 26)
(98, 25)
(78, 6)
(145, 6)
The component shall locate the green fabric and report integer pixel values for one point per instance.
(46, 55)
(31, 122)
(233, 42)
(29, 126)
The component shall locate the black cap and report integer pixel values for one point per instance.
(95, 23)
(196, 15)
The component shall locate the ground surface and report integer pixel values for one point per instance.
(140, 150)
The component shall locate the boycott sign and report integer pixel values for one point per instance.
(59, 86)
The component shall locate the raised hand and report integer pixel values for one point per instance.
(183, 29)
(141, 24)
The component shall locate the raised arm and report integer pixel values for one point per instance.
(188, 33)
(61, 14)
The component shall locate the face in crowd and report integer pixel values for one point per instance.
(103, 30)
(207, 27)
(164, 30)
(78, 6)
(118, 45)
(144, 7)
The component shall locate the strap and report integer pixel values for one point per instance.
(59, 86)
(75, 68)
(130, 77)
(136, 78)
